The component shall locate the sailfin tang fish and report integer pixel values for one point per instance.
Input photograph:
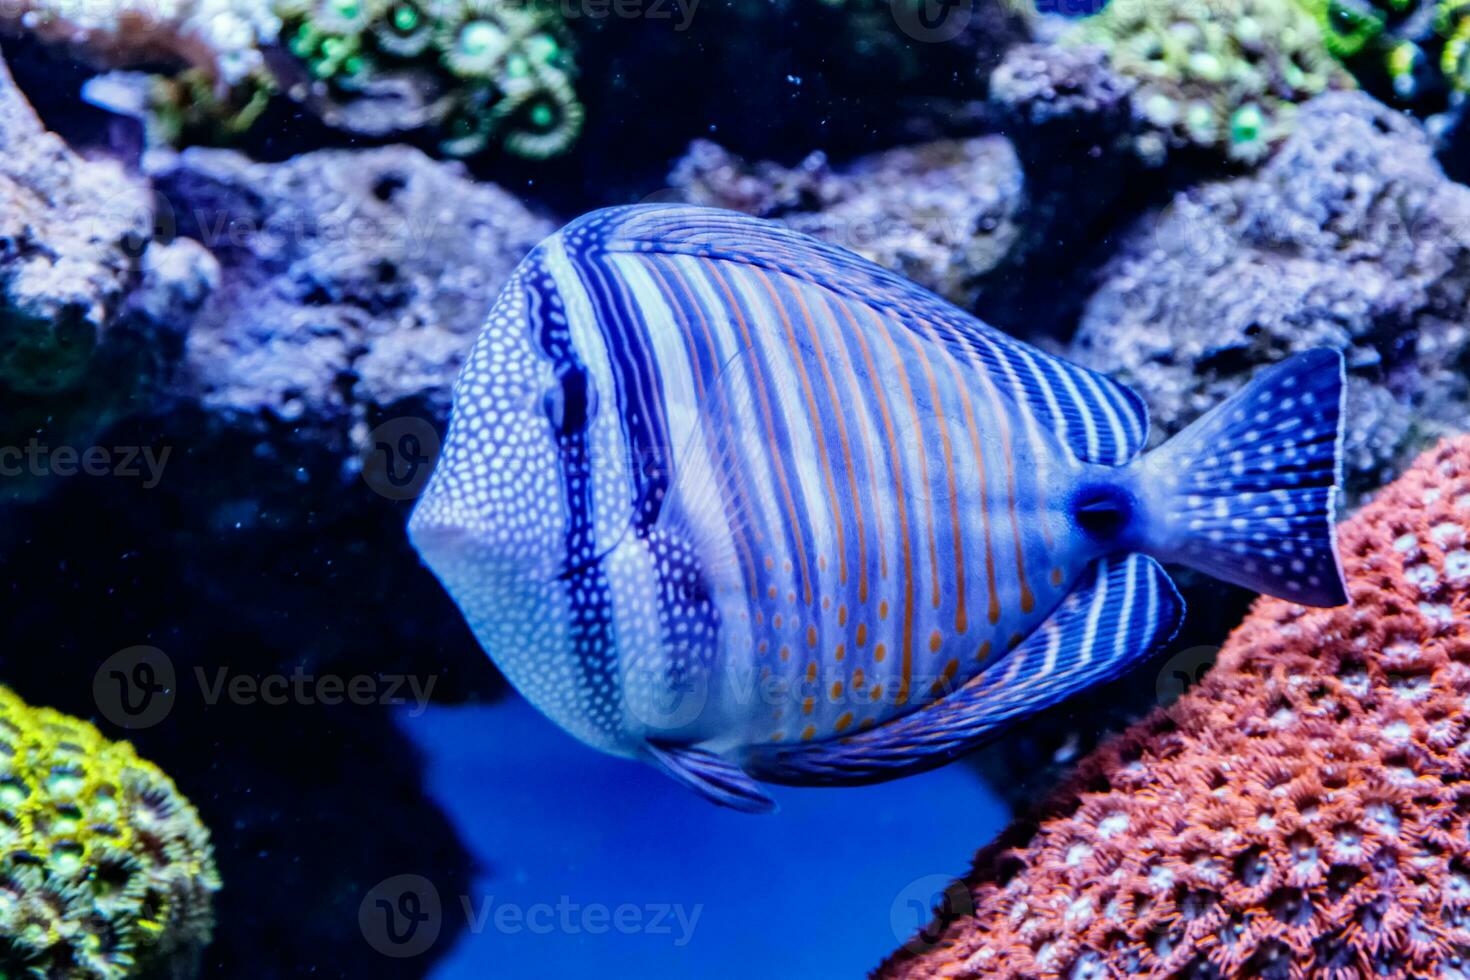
(745, 506)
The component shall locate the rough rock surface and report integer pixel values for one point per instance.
(70, 234)
(92, 310)
(348, 281)
(1350, 237)
(943, 214)
(1062, 106)
(326, 303)
(1079, 138)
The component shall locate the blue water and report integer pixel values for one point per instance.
(597, 864)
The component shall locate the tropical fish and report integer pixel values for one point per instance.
(743, 505)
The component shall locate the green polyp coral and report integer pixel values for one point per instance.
(499, 72)
(1455, 60)
(345, 17)
(405, 30)
(1348, 27)
(190, 106)
(328, 55)
(106, 871)
(476, 45)
(1222, 74)
(1413, 52)
(476, 74)
(535, 117)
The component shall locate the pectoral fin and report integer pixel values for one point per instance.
(1123, 610)
(712, 502)
(716, 779)
(709, 501)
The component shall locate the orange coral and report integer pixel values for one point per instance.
(1303, 812)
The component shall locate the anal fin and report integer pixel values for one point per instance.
(711, 776)
(1121, 611)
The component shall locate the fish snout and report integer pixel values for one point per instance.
(456, 541)
(440, 532)
(432, 535)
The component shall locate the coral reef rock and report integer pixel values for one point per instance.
(222, 39)
(105, 869)
(1302, 811)
(71, 231)
(1350, 237)
(326, 305)
(349, 281)
(1072, 121)
(1061, 105)
(1224, 75)
(943, 214)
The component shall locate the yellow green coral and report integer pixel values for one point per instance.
(483, 72)
(504, 67)
(1224, 74)
(1415, 51)
(106, 871)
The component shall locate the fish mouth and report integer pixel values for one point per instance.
(432, 537)
(451, 546)
(438, 533)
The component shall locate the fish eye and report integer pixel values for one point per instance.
(570, 400)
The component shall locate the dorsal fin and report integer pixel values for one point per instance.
(1098, 419)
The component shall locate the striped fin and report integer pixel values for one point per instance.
(1100, 420)
(1248, 492)
(712, 777)
(1118, 616)
(708, 503)
(711, 503)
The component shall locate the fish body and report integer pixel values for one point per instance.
(736, 502)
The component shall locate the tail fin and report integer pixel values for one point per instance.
(1248, 493)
